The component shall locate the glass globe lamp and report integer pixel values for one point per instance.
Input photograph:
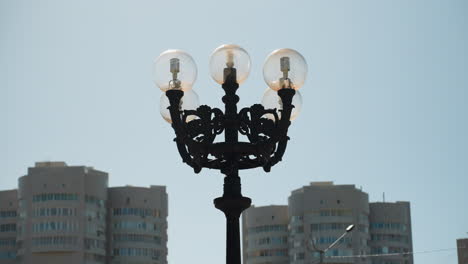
(285, 68)
(229, 56)
(272, 100)
(175, 69)
(189, 101)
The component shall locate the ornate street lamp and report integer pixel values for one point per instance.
(265, 125)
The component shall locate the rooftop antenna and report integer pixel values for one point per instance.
(383, 195)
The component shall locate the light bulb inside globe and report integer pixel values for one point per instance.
(189, 101)
(285, 68)
(175, 69)
(271, 100)
(224, 59)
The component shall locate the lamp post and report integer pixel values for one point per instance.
(323, 251)
(264, 125)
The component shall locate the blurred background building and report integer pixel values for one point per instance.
(265, 235)
(67, 214)
(138, 224)
(8, 220)
(462, 248)
(317, 215)
(390, 231)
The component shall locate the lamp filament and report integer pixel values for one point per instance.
(285, 68)
(175, 69)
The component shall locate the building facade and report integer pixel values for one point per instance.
(462, 248)
(318, 214)
(62, 214)
(65, 214)
(8, 227)
(265, 235)
(390, 231)
(138, 225)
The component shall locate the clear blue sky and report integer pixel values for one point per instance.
(384, 105)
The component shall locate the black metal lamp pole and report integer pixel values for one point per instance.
(232, 203)
(195, 133)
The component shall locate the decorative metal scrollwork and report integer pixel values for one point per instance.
(196, 131)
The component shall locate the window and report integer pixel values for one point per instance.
(268, 253)
(7, 241)
(281, 240)
(268, 228)
(62, 241)
(65, 226)
(8, 255)
(54, 212)
(329, 226)
(390, 237)
(339, 252)
(143, 212)
(388, 225)
(151, 239)
(55, 197)
(7, 228)
(7, 214)
(329, 240)
(139, 252)
(133, 225)
(385, 250)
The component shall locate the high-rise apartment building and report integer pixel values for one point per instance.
(318, 214)
(390, 230)
(462, 248)
(321, 212)
(67, 214)
(265, 235)
(138, 225)
(62, 214)
(8, 220)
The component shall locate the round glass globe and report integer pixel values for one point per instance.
(229, 55)
(272, 100)
(277, 67)
(189, 101)
(174, 69)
